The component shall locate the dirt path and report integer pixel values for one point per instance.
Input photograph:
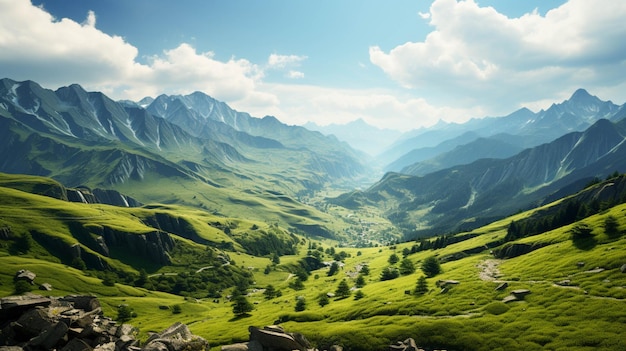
(489, 270)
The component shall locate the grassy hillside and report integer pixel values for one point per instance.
(576, 299)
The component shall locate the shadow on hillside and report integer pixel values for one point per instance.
(239, 317)
(586, 243)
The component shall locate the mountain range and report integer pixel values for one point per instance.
(209, 155)
(465, 196)
(197, 151)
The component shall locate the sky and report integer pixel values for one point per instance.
(396, 64)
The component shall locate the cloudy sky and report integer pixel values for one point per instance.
(397, 64)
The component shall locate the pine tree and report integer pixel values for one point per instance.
(241, 306)
(422, 286)
(343, 290)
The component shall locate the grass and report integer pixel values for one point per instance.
(588, 314)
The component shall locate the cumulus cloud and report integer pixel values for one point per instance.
(34, 45)
(475, 55)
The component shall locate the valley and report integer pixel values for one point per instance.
(184, 209)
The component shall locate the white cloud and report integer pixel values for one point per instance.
(34, 45)
(302, 103)
(295, 74)
(477, 56)
(424, 15)
(281, 61)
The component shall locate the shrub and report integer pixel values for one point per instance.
(176, 309)
(358, 295)
(611, 226)
(300, 304)
(125, 313)
(393, 259)
(389, 273)
(323, 300)
(431, 266)
(407, 267)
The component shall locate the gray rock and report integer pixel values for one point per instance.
(623, 268)
(520, 293)
(236, 347)
(502, 286)
(177, 337)
(76, 345)
(446, 283)
(26, 275)
(45, 287)
(270, 338)
(50, 337)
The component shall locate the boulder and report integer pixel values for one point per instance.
(275, 339)
(177, 337)
(24, 274)
(45, 287)
(623, 268)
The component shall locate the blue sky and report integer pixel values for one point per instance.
(396, 64)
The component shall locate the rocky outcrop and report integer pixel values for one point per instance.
(175, 338)
(101, 196)
(76, 323)
(153, 246)
(271, 338)
(406, 345)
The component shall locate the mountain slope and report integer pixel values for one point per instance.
(465, 196)
(85, 138)
(501, 146)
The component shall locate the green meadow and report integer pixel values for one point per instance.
(576, 293)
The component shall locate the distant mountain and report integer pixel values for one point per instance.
(466, 196)
(360, 135)
(499, 146)
(577, 113)
(173, 150)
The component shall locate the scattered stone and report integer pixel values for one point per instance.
(516, 295)
(45, 287)
(595, 270)
(25, 275)
(406, 345)
(446, 283)
(76, 323)
(502, 286)
(177, 337)
(565, 282)
(580, 264)
(509, 298)
(520, 293)
(623, 268)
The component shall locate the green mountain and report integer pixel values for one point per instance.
(86, 139)
(467, 196)
(565, 292)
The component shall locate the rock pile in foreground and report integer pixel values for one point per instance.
(76, 323)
